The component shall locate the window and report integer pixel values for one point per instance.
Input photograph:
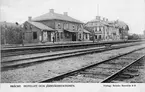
(61, 35)
(114, 33)
(86, 36)
(57, 35)
(99, 36)
(95, 29)
(34, 35)
(102, 28)
(96, 37)
(80, 36)
(65, 26)
(59, 26)
(76, 27)
(99, 28)
(73, 27)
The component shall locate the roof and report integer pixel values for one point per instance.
(86, 31)
(40, 25)
(121, 24)
(52, 16)
(71, 31)
(98, 22)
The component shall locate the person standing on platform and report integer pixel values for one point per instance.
(53, 39)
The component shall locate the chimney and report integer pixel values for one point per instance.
(29, 18)
(103, 19)
(98, 17)
(65, 13)
(51, 10)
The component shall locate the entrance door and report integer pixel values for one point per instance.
(73, 36)
(45, 36)
(49, 36)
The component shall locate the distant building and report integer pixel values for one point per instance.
(113, 32)
(104, 30)
(123, 29)
(97, 28)
(53, 26)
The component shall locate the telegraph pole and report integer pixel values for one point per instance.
(94, 35)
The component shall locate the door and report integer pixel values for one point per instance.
(49, 36)
(44, 36)
(73, 36)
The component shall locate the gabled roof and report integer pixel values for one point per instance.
(98, 22)
(121, 24)
(86, 31)
(56, 16)
(40, 25)
(72, 31)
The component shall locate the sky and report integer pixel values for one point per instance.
(132, 12)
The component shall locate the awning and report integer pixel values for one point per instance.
(72, 31)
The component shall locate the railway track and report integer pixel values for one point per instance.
(22, 50)
(7, 64)
(102, 72)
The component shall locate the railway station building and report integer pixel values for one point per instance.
(53, 26)
(36, 32)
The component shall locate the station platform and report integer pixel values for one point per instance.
(42, 44)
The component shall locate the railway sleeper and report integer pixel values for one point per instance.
(127, 58)
(127, 75)
(99, 76)
(131, 70)
(117, 63)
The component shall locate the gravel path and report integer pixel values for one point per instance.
(45, 70)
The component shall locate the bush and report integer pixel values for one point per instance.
(11, 35)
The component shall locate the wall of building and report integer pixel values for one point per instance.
(86, 36)
(65, 25)
(29, 33)
(61, 25)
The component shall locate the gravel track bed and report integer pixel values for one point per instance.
(137, 71)
(25, 52)
(100, 71)
(51, 69)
